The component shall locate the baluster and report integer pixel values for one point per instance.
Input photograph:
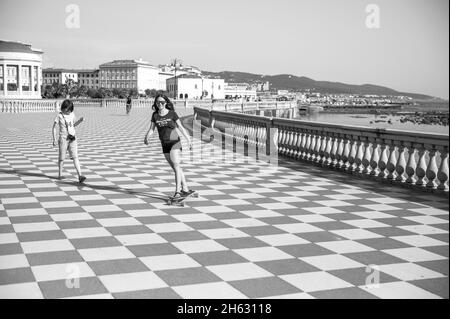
(312, 146)
(339, 153)
(333, 152)
(391, 162)
(432, 169)
(443, 170)
(288, 141)
(375, 159)
(304, 145)
(411, 166)
(345, 155)
(421, 168)
(383, 161)
(319, 145)
(280, 139)
(359, 156)
(352, 155)
(400, 167)
(294, 147)
(326, 151)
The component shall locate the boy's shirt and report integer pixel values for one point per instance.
(70, 119)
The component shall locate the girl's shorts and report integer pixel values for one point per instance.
(65, 145)
(171, 145)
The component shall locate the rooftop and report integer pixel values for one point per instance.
(122, 63)
(11, 46)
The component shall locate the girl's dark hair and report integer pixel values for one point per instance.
(67, 105)
(169, 104)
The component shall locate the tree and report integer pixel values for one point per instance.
(82, 91)
(133, 92)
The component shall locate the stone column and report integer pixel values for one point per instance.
(5, 83)
(32, 93)
(19, 79)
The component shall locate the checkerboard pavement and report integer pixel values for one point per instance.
(294, 232)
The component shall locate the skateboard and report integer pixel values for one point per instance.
(180, 201)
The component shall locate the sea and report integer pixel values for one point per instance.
(368, 120)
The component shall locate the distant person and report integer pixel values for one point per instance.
(128, 107)
(166, 120)
(67, 137)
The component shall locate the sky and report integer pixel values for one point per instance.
(327, 40)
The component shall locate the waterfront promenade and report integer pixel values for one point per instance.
(299, 231)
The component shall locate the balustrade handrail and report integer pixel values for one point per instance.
(399, 157)
(406, 136)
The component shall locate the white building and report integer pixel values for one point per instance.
(168, 71)
(240, 90)
(129, 74)
(59, 76)
(189, 86)
(20, 70)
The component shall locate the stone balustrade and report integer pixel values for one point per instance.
(27, 106)
(51, 105)
(418, 160)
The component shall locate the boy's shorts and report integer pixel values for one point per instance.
(65, 145)
(170, 145)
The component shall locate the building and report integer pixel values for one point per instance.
(20, 70)
(240, 90)
(58, 76)
(192, 86)
(129, 74)
(89, 78)
(168, 71)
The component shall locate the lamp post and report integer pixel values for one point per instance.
(174, 63)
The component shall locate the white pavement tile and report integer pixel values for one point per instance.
(132, 282)
(345, 246)
(419, 241)
(198, 246)
(414, 254)
(105, 253)
(166, 262)
(399, 290)
(298, 228)
(239, 271)
(46, 246)
(282, 239)
(221, 233)
(140, 239)
(356, 234)
(331, 262)
(215, 290)
(29, 290)
(262, 254)
(13, 261)
(68, 271)
(409, 271)
(90, 232)
(315, 281)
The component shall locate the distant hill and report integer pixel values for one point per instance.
(292, 82)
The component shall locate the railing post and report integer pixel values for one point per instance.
(432, 169)
(422, 167)
(392, 161)
(400, 166)
(443, 170)
(382, 163)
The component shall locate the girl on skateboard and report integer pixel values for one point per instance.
(67, 139)
(166, 120)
